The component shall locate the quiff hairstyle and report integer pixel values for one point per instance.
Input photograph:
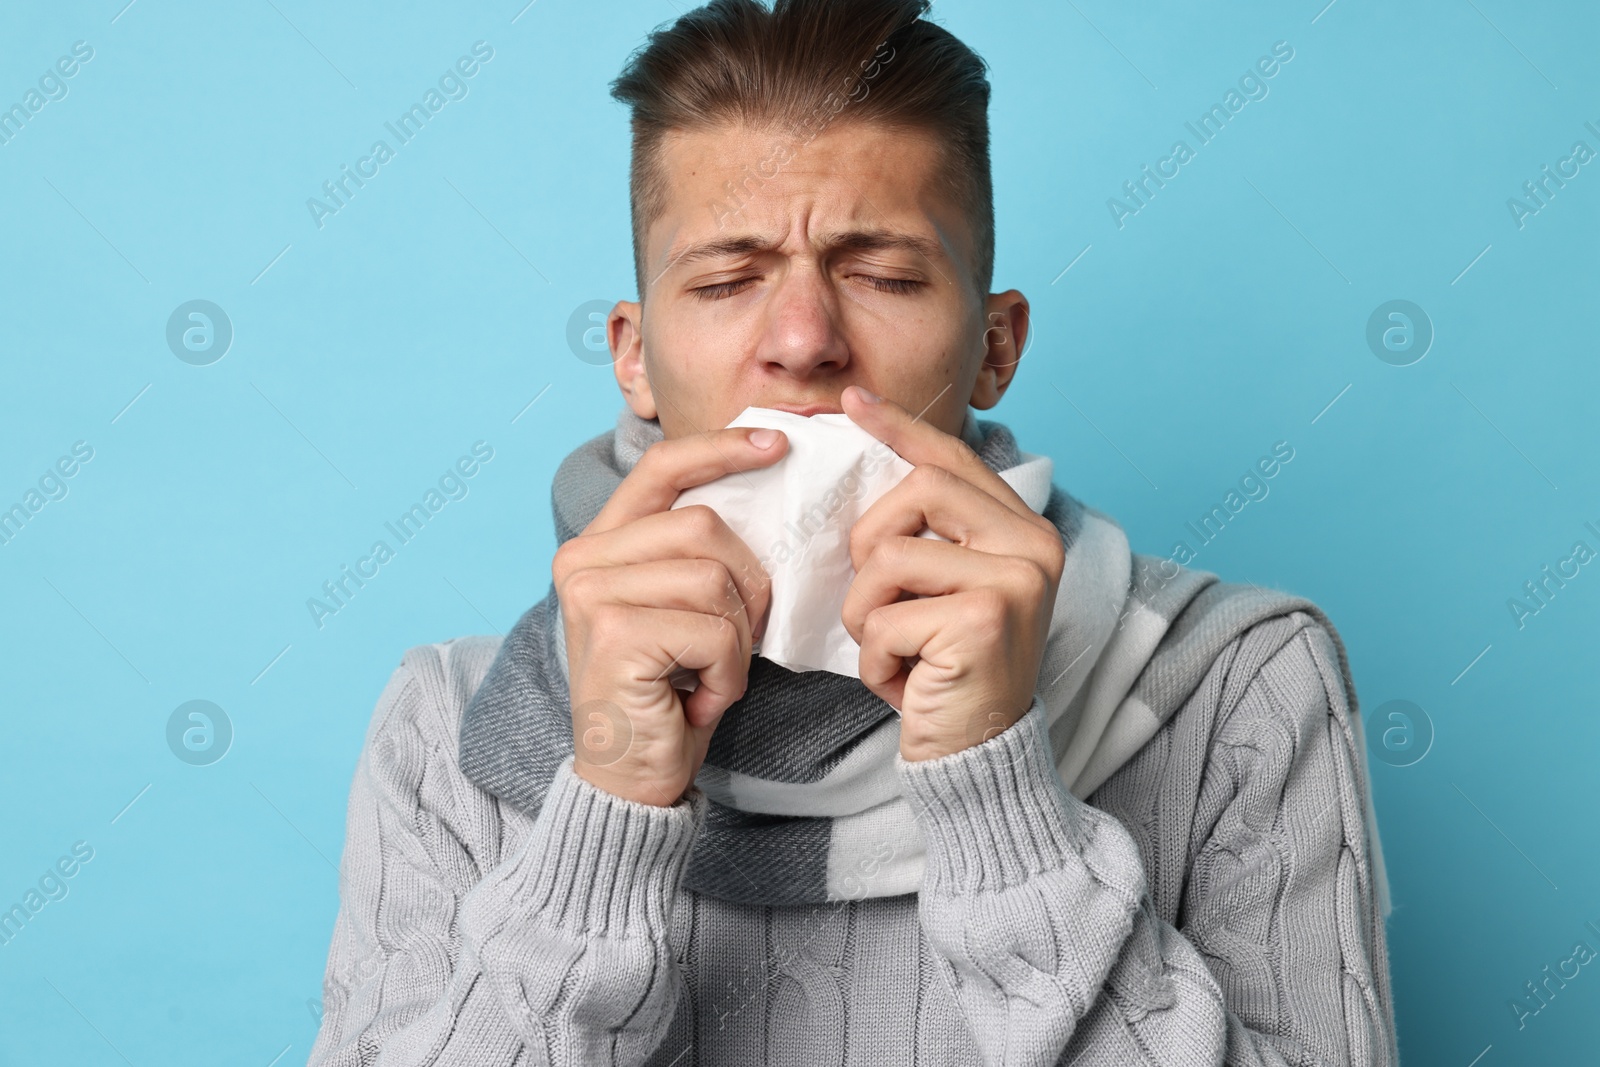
(793, 70)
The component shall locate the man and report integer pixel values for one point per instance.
(1081, 806)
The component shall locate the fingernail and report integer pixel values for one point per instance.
(764, 438)
(871, 398)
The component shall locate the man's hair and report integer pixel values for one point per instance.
(793, 70)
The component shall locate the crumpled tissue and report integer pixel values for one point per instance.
(796, 515)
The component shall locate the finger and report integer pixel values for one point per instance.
(937, 499)
(693, 532)
(927, 568)
(671, 639)
(698, 585)
(918, 441)
(669, 467)
(896, 633)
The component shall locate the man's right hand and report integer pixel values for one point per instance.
(646, 590)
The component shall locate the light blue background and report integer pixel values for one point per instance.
(1226, 315)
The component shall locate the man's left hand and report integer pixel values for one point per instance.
(974, 632)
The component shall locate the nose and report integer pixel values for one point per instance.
(802, 333)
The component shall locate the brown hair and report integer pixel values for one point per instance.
(797, 67)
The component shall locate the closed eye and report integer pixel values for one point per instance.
(716, 292)
(894, 285)
(885, 285)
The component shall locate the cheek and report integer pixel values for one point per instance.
(698, 354)
(697, 368)
(914, 370)
(926, 346)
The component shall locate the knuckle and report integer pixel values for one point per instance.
(701, 519)
(857, 538)
(874, 624)
(1057, 562)
(1034, 579)
(1052, 551)
(750, 579)
(655, 454)
(711, 573)
(713, 580)
(567, 559)
(725, 632)
(581, 586)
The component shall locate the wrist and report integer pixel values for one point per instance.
(636, 789)
(924, 737)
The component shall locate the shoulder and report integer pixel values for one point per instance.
(1262, 730)
(1235, 700)
(1290, 669)
(417, 720)
(433, 682)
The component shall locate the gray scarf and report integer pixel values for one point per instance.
(804, 798)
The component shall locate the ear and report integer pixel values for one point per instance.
(625, 335)
(1004, 338)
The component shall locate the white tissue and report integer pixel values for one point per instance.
(796, 515)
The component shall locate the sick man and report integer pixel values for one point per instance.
(1080, 806)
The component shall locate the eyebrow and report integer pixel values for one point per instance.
(845, 240)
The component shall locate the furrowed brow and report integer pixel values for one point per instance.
(884, 240)
(718, 248)
(848, 240)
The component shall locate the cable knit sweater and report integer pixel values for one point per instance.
(1212, 903)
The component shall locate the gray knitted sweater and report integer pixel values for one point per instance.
(1211, 903)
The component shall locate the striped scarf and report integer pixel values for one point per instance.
(804, 798)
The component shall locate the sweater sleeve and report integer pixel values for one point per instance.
(1036, 908)
(458, 943)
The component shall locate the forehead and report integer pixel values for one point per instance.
(740, 180)
(715, 152)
